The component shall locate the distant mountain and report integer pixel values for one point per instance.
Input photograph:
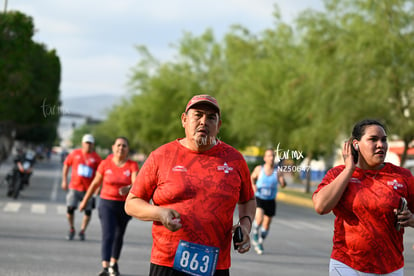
(97, 107)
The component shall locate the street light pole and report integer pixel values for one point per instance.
(5, 6)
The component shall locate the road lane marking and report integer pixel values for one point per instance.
(12, 207)
(61, 209)
(54, 193)
(38, 208)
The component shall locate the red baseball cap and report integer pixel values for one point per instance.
(203, 99)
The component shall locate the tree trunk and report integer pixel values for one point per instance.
(308, 174)
(404, 154)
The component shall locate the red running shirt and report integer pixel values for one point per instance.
(203, 187)
(364, 236)
(115, 177)
(83, 166)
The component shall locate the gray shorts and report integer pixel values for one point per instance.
(73, 197)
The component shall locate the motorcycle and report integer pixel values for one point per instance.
(20, 174)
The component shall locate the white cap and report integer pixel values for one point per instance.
(88, 138)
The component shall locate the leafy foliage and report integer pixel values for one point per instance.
(29, 81)
(301, 86)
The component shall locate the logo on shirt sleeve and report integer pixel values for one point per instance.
(225, 168)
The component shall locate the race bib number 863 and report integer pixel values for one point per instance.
(196, 259)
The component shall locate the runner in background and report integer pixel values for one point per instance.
(265, 180)
(115, 175)
(83, 163)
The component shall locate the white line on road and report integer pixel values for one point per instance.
(12, 207)
(61, 209)
(53, 194)
(38, 208)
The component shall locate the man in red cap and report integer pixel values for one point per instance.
(83, 163)
(194, 183)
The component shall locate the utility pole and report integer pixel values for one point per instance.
(5, 6)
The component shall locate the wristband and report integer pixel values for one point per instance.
(250, 220)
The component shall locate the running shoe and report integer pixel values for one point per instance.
(113, 270)
(259, 248)
(82, 235)
(71, 234)
(104, 272)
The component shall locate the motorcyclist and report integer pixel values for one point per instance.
(25, 163)
(22, 170)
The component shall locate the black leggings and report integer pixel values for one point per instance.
(114, 221)
(158, 270)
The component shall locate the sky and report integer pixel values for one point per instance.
(95, 40)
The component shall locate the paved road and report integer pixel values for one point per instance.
(33, 229)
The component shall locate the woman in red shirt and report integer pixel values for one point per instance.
(116, 174)
(365, 195)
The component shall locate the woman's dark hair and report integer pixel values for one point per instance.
(359, 128)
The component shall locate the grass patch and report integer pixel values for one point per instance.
(297, 193)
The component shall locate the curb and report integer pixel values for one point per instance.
(291, 199)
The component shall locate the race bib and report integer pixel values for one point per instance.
(265, 192)
(196, 259)
(85, 171)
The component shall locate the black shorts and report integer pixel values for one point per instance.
(158, 270)
(268, 206)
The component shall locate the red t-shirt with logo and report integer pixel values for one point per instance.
(203, 187)
(115, 177)
(83, 166)
(364, 236)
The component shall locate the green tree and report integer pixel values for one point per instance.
(302, 85)
(30, 80)
(16, 31)
(371, 61)
(151, 115)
